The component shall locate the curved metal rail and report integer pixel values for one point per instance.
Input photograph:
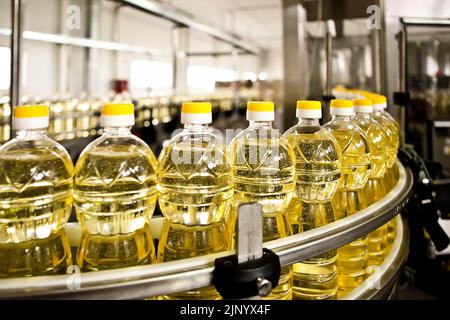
(152, 280)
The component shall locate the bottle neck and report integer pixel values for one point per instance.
(117, 131)
(363, 115)
(260, 124)
(31, 134)
(341, 118)
(196, 127)
(311, 122)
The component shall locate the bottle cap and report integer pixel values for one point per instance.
(341, 107)
(309, 109)
(196, 113)
(379, 102)
(363, 105)
(260, 111)
(30, 117)
(117, 115)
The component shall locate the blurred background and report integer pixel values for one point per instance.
(75, 55)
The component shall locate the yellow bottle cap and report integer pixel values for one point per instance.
(196, 113)
(363, 105)
(117, 109)
(31, 111)
(378, 99)
(196, 107)
(260, 111)
(30, 117)
(260, 106)
(309, 105)
(117, 115)
(340, 103)
(362, 102)
(309, 109)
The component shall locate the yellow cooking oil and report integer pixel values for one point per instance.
(318, 172)
(352, 261)
(374, 188)
(115, 195)
(115, 178)
(264, 172)
(179, 241)
(37, 257)
(36, 175)
(99, 252)
(391, 128)
(194, 175)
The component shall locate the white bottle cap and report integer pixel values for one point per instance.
(309, 109)
(117, 115)
(30, 117)
(379, 102)
(341, 107)
(363, 105)
(196, 113)
(260, 111)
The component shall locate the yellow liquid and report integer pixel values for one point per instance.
(47, 256)
(378, 239)
(35, 190)
(315, 278)
(318, 172)
(355, 160)
(353, 258)
(377, 144)
(194, 179)
(181, 242)
(115, 187)
(264, 172)
(391, 133)
(98, 252)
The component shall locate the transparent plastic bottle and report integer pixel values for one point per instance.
(97, 252)
(264, 172)
(178, 241)
(195, 193)
(37, 257)
(352, 258)
(194, 173)
(374, 188)
(115, 184)
(391, 176)
(318, 171)
(36, 180)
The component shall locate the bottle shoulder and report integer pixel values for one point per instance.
(44, 147)
(124, 148)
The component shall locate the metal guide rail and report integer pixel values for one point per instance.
(176, 276)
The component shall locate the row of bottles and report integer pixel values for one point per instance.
(72, 118)
(303, 179)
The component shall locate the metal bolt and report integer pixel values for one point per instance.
(264, 286)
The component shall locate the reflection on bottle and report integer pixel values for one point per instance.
(47, 256)
(181, 242)
(352, 258)
(378, 240)
(99, 252)
(315, 278)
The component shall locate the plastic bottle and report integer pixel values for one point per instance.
(195, 193)
(115, 189)
(374, 188)
(318, 171)
(178, 241)
(194, 173)
(36, 180)
(391, 128)
(264, 172)
(352, 258)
